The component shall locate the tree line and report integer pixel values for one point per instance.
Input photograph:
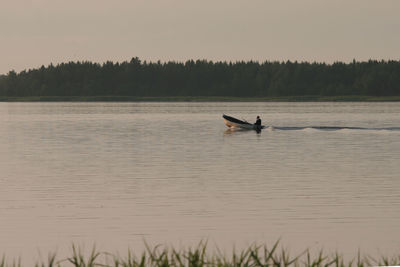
(205, 78)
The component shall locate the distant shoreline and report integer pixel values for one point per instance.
(201, 99)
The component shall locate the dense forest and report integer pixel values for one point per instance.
(205, 78)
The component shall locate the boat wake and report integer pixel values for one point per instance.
(331, 128)
(315, 129)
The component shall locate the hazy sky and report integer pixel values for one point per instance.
(38, 32)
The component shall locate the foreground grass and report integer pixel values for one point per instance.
(197, 99)
(200, 256)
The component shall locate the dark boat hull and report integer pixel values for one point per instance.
(232, 122)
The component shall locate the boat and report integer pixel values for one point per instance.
(232, 122)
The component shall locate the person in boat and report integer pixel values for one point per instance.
(258, 121)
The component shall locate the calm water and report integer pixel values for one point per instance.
(117, 173)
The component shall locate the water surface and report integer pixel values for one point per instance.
(325, 175)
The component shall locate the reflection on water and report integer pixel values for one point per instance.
(232, 130)
(117, 173)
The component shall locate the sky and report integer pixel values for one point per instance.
(40, 32)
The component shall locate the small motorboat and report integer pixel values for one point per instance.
(232, 122)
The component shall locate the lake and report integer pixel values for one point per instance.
(326, 175)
